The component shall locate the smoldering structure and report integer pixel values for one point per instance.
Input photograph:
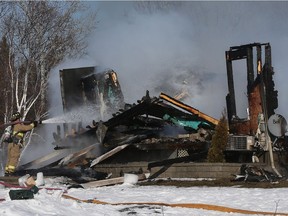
(154, 125)
(153, 129)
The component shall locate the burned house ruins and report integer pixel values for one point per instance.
(262, 133)
(161, 130)
(154, 129)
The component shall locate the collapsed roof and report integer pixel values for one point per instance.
(153, 125)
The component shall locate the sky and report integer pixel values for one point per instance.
(51, 202)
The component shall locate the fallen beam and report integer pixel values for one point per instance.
(108, 154)
(46, 160)
(189, 109)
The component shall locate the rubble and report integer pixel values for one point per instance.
(151, 126)
(250, 173)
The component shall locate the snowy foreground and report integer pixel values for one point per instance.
(51, 202)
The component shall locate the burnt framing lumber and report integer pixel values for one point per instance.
(154, 107)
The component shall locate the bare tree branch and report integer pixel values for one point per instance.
(40, 35)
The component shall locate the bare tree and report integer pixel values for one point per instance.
(40, 34)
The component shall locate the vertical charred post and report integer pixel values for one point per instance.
(250, 69)
(268, 72)
(230, 98)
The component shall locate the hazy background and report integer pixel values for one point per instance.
(158, 46)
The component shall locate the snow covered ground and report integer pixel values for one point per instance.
(51, 202)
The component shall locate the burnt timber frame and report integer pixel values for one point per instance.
(262, 86)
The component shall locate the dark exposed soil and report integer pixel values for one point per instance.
(225, 182)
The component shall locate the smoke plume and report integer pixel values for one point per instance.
(181, 45)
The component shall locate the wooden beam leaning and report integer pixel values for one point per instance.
(189, 109)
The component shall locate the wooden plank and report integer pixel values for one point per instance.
(108, 154)
(10, 179)
(105, 182)
(45, 160)
(112, 181)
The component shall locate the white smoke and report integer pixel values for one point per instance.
(42, 139)
(148, 47)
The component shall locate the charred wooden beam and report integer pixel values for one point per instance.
(271, 93)
(230, 98)
(250, 68)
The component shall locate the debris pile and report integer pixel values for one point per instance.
(255, 174)
(155, 129)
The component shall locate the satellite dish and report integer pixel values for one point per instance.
(277, 125)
